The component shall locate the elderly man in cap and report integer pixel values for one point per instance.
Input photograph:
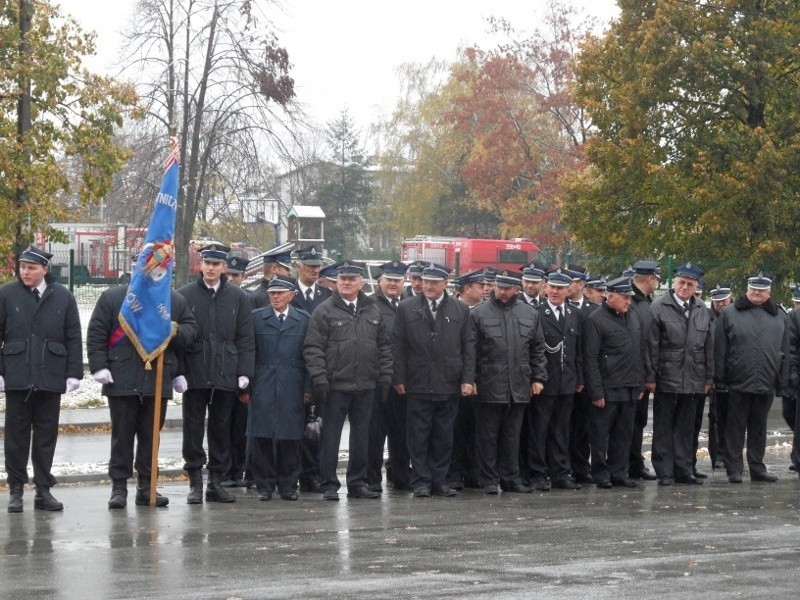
(434, 362)
(645, 281)
(751, 358)
(218, 366)
(348, 354)
(532, 280)
(549, 413)
(510, 367)
(280, 389)
(388, 419)
(414, 274)
(679, 365)
(40, 332)
(721, 296)
(277, 261)
(309, 294)
(614, 376)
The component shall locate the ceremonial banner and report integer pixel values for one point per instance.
(146, 315)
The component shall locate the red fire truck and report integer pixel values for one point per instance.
(469, 254)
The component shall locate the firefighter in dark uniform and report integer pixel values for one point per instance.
(388, 420)
(41, 358)
(581, 420)
(575, 293)
(551, 410)
(277, 261)
(309, 294)
(721, 296)
(239, 475)
(348, 354)
(327, 276)
(532, 280)
(434, 365)
(510, 367)
(463, 471)
(614, 377)
(218, 366)
(130, 389)
(644, 281)
(414, 274)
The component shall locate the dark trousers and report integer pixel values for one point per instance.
(698, 425)
(238, 442)
(497, 432)
(612, 433)
(275, 463)
(796, 438)
(429, 432)
(579, 434)
(309, 460)
(463, 459)
(747, 414)
(132, 418)
(789, 410)
(549, 451)
(717, 422)
(384, 427)
(220, 406)
(31, 430)
(673, 433)
(356, 407)
(636, 458)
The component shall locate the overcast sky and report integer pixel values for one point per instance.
(345, 53)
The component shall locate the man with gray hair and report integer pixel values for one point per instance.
(751, 359)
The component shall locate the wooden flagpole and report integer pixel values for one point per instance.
(156, 429)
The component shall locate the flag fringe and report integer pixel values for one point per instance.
(145, 356)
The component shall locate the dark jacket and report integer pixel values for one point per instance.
(433, 356)
(509, 351)
(346, 352)
(751, 348)
(679, 352)
(562, 349)
(793, 322)
(612, 352)
(224, 347)
(127, 368)
(640, 304)
(41, 340)
(320, 295)
(276, 402)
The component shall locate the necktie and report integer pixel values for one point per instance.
(394, 303)
(281, 318)
(433, 306)
(36, 294)
(309, 295)
(352, 306)
(574, 303)
(534, 302)
(558, 313)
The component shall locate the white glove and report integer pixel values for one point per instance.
(73, 384)
(103, 376)
(179, 384)
(2, 384)
(244, 381)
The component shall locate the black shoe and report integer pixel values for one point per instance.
(265, 496)
(15, 502)
(581, 478)
(699, 475)
(332, 495)
(375, 487)
(540, 485)
(765, 476)
(604, 484)
(566, 484)
(289, 496)
(195, 495)
(143, 495)
(215, 492)
(422, 492)
(517, 488)
(490, 490)
(792, 468)
(689, 480)
(456, 485)
(43, 500)
(228, 483)
(718, 464)
(119, 494)
(443, 490)
(362, 492)
(734, 479)
(628, 483)
(311, 486)
(645, 475)
(665, 481)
